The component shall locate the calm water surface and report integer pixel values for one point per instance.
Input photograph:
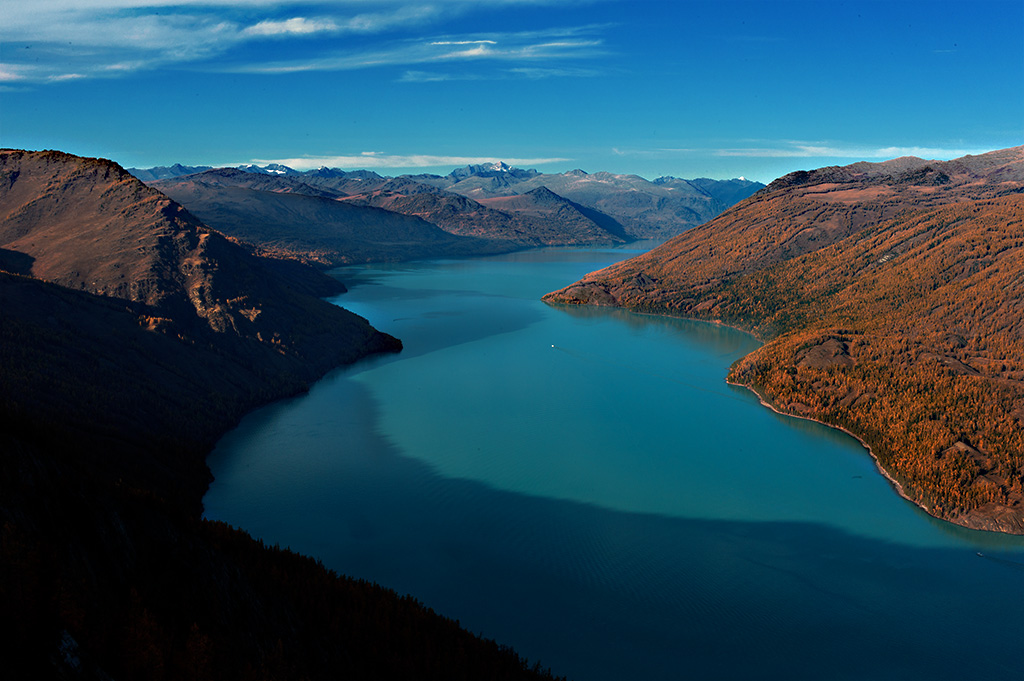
(582, 484)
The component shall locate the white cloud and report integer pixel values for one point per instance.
(464, 42)
(430, 77)
(818, 150)
(67, 76)
(102, 38)
(478, 51)
(536, 73)
(11, 74)
(655, 153)
(510, 47)
(924, 152)
(375, 159)
(380, 21)
(293, 26)
(91, 36)
(531, 73)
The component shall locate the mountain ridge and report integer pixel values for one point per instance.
(535, 220)
(286, 216)
(873, 285)
(645, 209)
(89, 225)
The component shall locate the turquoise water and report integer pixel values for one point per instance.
(582, 484)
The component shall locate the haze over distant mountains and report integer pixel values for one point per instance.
(890, 298)
(495, 208)
(658, 209)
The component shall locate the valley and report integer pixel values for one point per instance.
(525, 340)
(333, 217)
(886, 295)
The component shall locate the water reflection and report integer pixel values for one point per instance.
(723, 340)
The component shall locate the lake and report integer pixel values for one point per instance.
(582, 484)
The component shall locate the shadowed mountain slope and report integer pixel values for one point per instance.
(165, 172)
(135, 330)
(234, 177)
(344, 181)
(539, 218)
(283, 215)
(544, 203)
(726, 192)
(131, 338)
(890, 297)
(613, 206)
(645, 209)
(88, 225)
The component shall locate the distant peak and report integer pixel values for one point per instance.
(577, 173)
(542, 193)
(269, 169)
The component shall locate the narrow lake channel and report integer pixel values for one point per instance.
(581, 484)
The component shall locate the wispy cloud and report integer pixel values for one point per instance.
(375, 159)
(11, 73)
(819, 150)
(523, 72)
(435, 77)
(655, 153)
(810, 150)
(464, 42)
(292, 27)
(522, 47)
(49, 40)
(538, 72)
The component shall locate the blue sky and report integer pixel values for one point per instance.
(691, 89)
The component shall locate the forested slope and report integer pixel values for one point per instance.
(891, 299)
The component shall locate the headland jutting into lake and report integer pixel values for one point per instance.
(888, 298)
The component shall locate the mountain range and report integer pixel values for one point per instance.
(537, 218)
(889, 298)
(646, 209)
(495, 208)
(284, 216)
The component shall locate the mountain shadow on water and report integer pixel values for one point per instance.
(609, 594)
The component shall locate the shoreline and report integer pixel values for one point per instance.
(958, 522)
(878, 464)
(966, 521)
